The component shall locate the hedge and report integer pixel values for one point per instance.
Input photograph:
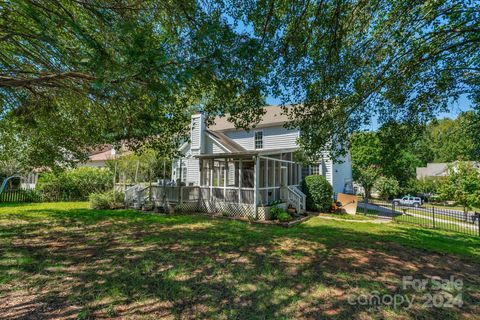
(74, 184)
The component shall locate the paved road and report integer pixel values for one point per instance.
(439, 211)
(452, 213)
(388, 211)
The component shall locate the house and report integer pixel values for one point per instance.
(439, 169)
(243, 170)
(99, 157)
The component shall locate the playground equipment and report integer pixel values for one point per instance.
(5, 182)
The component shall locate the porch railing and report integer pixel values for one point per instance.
(228, 194)
(296, 198)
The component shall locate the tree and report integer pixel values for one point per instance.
(448, 140)
(427, 187)
(387, 187)
(366, 177)
(145, 165)
(349, 61)
(398, 157)
(462, 185)
(129, 71)
(365, 152)
(134, 70)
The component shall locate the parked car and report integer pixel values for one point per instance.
(408, 201)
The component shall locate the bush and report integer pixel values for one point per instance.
(105, 200)
(319, 193)
(283, 216)
(274, 211)
(387, 187)
(74, 184)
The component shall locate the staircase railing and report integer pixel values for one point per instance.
(296, 198)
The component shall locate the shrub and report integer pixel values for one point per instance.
(274, 211)
(283, 216)
(99, 201)
(74, 184)
(387, 187)
(105, 200)
(319, 192)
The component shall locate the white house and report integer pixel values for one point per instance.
(255, 167)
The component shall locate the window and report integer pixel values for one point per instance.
(258, 139)
(316, 169)
(181, 172)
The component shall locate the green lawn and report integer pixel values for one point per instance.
(63, 260)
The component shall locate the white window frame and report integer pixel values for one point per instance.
(255, 139)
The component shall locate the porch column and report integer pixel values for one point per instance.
(210, 178)
(240, 180)
(225, 164)
(256, 195)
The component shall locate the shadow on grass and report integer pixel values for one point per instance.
(127, 264)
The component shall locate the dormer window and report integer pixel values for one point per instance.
(258, 139)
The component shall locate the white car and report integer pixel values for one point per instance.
(408, 201)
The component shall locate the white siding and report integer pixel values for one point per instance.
(212, 147)
(279, 138)
(327, 169)
(243, 138)
(195, 134)
(273, 138)
(193, 171)
(342, 173)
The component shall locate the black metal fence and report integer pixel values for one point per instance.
(437, 217)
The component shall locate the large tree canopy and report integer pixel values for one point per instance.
(447, 140)
(350, 61)
(130, 70)
(74, 74)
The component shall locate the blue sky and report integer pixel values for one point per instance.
(463, 104)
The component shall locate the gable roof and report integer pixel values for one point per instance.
(225, 141)
(274, 115)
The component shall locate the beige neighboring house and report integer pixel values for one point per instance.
(439, 169)
(99, 157)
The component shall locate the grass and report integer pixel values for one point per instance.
(63, 260)
(346, 216)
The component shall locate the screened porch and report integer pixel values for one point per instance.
(249, 177)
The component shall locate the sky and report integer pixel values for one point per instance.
(463, 104)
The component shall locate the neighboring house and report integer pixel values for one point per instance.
(251, 167)
(99, 157)
(439, 169)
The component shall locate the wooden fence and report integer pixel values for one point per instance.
(31, 195)
(20, 195)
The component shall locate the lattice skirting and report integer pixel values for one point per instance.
(230, 209)
(225, 208)
(189, 207)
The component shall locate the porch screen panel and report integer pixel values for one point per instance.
(262, 173)
(278, 172)
(218, 173)
(271, 173)
(263, 196)
(232, 173)
(231, 195)
(247, 196)
(248, 178)
(205, 173)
